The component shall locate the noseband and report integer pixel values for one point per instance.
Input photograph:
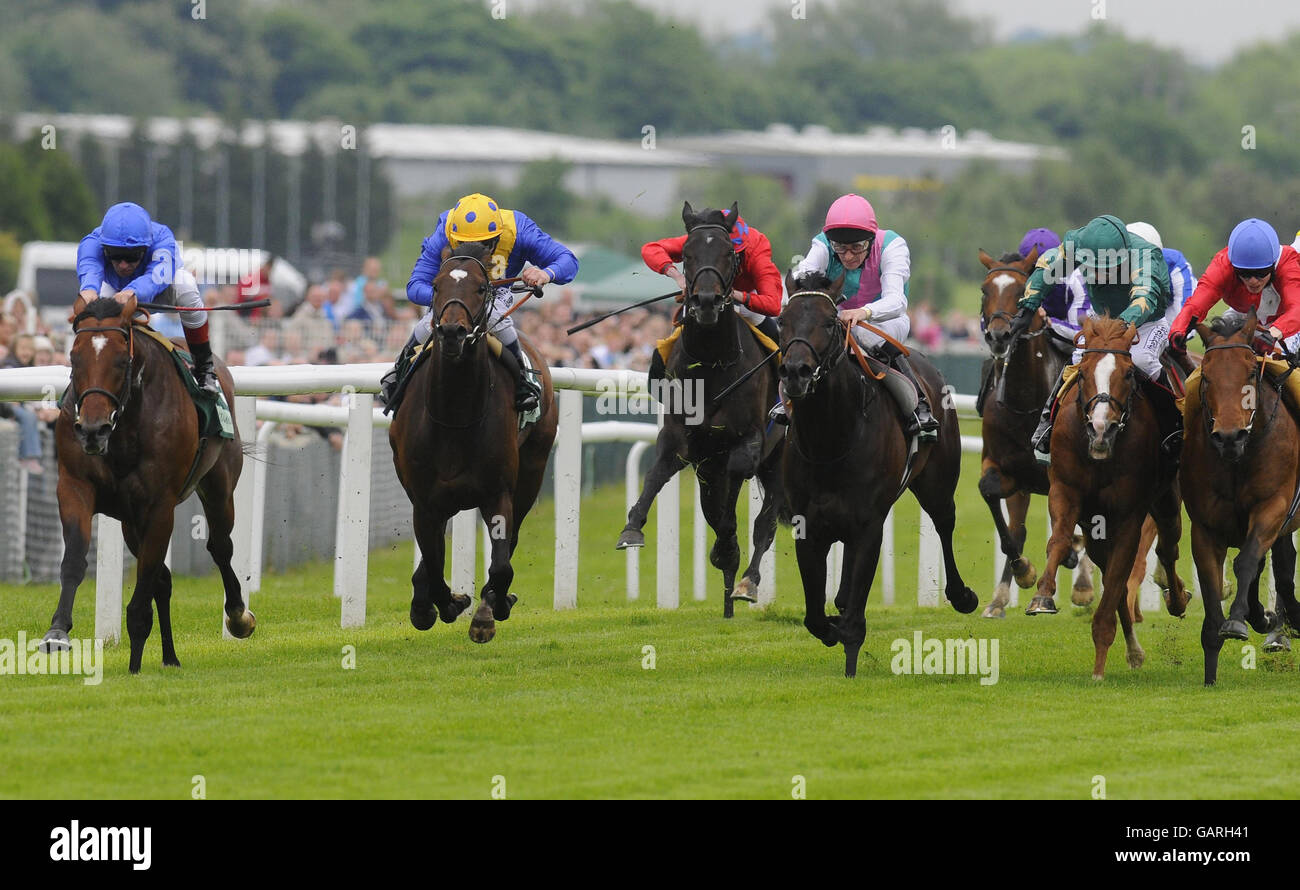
(480, 318)
(727, 280)
(823, 366)
(118, 399)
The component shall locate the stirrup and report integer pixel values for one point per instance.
(526, 397)
(778, 414)
(206, 378)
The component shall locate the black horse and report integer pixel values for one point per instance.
(847, 463)
(727, 441)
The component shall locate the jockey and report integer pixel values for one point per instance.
(514, 239)
(1182, 282)
(1064, 306)
(130, 254)
(1253, 272)
(1124, 276)
(876, 264)
(756, 290)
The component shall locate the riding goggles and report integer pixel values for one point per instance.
(1245, 274)
(844, 247)
(124, 254)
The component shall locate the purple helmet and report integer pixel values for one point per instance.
(1043, 239)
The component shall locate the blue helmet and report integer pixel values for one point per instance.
(1043, 239)
(126, 225)
(1253, 244)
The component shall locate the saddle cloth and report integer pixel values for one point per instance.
(1276, 369)
(495, 345)
(665, 346)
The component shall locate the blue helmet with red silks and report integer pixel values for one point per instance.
(126, 225)
(1253, 244)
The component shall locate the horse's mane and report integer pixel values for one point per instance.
(476, 249)
(710, 216)
(1226, 327)
(813, 280)
(1011, 257)
(101, 308)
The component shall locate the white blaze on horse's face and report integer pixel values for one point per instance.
(1003, 280)
(98, 342)
(458, 274)
(1105, 369)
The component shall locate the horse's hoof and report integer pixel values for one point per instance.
(1277, 642)
(484, 627)
(1071, 560)
(1025, 574)
(631, 537)
(459, 603)
(1266, 623)
(55, 641)
(242, 627)
(1082, 596)
(171, 663)
(851, 660)
(1041, 605)
(423, 619)
(1136, 658)
(501, 609)
(992, 611)
(965, 601)
(1234, 630)
(745, 590)
(1174, 608)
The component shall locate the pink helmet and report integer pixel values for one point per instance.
(851, 212)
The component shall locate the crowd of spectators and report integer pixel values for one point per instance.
(356, 319)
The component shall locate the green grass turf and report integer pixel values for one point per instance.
(560, 706)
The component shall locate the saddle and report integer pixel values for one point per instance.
(421, 353)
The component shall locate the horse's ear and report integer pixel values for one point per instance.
(1248, 329)
(735, 214)
(128, 309)
(688, 215)
(1030, 261)
(837, 286)
(987, 260)
(1206, 332)
(447, 253)
(791, 284)
(1137, 335)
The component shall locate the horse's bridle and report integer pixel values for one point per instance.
(1104, 398)
(118, 399)
(479, 319)
(823, 366)
(727, 280)
(1006, 316)
(1208, 412)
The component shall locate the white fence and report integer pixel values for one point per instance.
(357, 382)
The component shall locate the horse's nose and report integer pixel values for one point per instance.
(1230, 445)
(93, 437)
(999, 340)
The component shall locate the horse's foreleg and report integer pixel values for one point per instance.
(430, 595)
(1288, 609)
(1139, 572)
(1167, 517)
(861, 554)
(718, 493)
(1265, 522)
(148, 537)
(939, 504)
(764, 531)
(994, 488)
(1123, 537)
(496, 598)
(218, 497)
(1209, 556)
(1063, 506)
(1082, 592)
(810, 553)
(76, 507)
(665, 466)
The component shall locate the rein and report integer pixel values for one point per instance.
(1103, 398)
(727, 280)
(479, 318)
(119, 399)
(1208, 413)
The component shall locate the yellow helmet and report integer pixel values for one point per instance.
(474, 218)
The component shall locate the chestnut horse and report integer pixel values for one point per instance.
(727, 441)
(126, 439)
(457, 445)
(1241, 476)
(846, 464)
(1107, 473)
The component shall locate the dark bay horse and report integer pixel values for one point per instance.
(126, 439)
(1240, 476)
(845, 464)
(457, 444)
(1025, 369)
(1107, 473)
(727, 442)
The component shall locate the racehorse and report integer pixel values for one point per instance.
(847, 463)
(727, 441)
(457, 444)
(1107, 473)
(1025, 368)
(1241, 478)
(127, 439)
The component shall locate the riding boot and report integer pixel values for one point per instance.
(1041, 440)
(525, 393)
(657, 369)
(769, 328)
(923, 422)
(777, 414)
(205, 375)
(389, 382)
(1170, 419)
